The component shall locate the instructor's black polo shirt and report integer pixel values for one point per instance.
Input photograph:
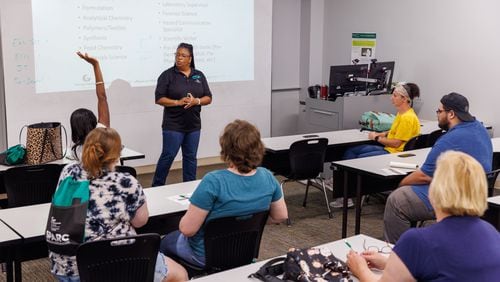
(173, 84)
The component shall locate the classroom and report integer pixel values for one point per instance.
(260, 59)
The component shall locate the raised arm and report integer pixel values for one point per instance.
(100, 90)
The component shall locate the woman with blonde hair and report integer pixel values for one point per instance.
(459, 247)
(117, 204)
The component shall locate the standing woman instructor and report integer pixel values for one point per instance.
(181, 90)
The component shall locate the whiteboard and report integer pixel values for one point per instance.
(133, 111)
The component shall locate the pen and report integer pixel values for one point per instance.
(349, 245)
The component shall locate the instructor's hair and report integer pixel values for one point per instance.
(189, 47)
(101, 151)
(459, 185)
(82, 121)
(241, 145)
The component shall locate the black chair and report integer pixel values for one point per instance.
(491, 177)
(230, 242)
(129, 169)
(434, 136)
(307, 158)
(120, 259)
(31, 185)
(417, 142)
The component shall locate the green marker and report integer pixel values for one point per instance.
(349, 245)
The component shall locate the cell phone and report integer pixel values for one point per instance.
(406, 155)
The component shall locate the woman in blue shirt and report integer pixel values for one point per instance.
(459, 247)
(241, 189)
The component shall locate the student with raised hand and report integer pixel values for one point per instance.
(83, 120)
(459, 247)
(243, 188)
(117, 204)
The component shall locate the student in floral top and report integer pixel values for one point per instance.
(117, 204)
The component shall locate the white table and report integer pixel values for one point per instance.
(158, 197)
(339, 137)
(30, 221)
(494, 200)
(126, 154)
(376, 166)
(338, 248)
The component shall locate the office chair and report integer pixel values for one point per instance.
(307, 158)
(31, 185)
(417, 142)
(124, 169)
(434, 136)
(121, 259)
(230, 242)
(491, 177)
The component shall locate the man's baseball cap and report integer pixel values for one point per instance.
(458, 104)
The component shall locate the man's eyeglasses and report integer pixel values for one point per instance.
(387, 249)
(438, 111)
(182, 55)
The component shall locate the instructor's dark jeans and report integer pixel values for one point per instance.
(172, 142)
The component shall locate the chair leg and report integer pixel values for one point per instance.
(307, 191)
(326, 198)
(282, 184)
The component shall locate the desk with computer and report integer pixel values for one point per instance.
(352, 90)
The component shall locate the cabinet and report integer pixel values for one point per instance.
(343, 113)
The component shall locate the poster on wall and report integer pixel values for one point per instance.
(363, 47)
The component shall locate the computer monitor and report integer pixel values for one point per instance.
(347, 79)
(382, 72)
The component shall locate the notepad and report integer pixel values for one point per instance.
(403, 165)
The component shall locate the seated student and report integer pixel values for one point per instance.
(459, 247)
(241, 189)
(83, 120)
(116, 206)
(410, 203)
(405, 126)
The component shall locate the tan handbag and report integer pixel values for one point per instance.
(44, 142)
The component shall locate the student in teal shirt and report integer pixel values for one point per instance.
(241, 189)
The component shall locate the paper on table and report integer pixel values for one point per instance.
(393, 171)
(182, 199)
(403, 165)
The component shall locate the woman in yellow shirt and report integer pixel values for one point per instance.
(405, 126)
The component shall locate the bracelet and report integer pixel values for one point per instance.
(99, 82)
(199, 101)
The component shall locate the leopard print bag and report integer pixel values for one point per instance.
(44, 142)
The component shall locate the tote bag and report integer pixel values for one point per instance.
(44, 142)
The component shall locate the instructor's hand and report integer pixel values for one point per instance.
(190, 101)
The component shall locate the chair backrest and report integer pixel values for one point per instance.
(233, 241)
(124, 168)
(30, 185)
(307, 158)
(434, 136)
(120, 259)
(417, 142)
(491, 177)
